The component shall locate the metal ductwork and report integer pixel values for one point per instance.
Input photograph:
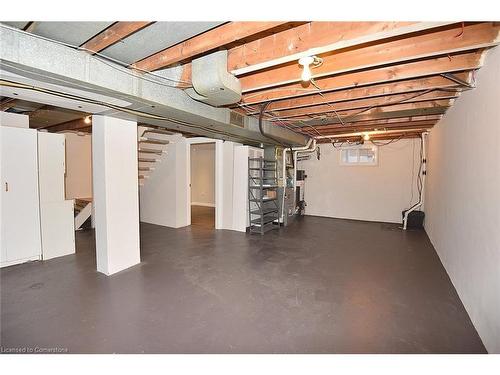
(212, 83)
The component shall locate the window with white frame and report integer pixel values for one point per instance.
(359, 155)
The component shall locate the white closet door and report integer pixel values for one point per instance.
(51, 168)
(57, 218)
(20, 217)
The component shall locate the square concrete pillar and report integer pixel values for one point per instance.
(116, 196)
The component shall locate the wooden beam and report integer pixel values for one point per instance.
(380, 123)
(338, 129)
(377, 116)
(378, 137)
(315, 38)
(205, 42)
(381, 101)
(69, 125)
(354, 115)
(7, 104)
(374, 91)
(410, 70)
(422, 46)
(113, 34)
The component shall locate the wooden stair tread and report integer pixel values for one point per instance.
(154, 141)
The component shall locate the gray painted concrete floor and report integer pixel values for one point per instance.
(319, 286)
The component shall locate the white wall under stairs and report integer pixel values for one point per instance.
(162, 194)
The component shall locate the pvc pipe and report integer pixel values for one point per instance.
(296, 153)
(423, 174)
(295, 150)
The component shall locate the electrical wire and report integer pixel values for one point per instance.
(412, 173)
(329, 104)
(380, 144)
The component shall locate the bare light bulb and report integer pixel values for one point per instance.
(306, 74)
(87, 120)
(306, 71)
(366, 137)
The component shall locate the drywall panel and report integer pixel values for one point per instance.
(116, 201)
(164, 198)
(372, 193)
(240, 185)
(51, 166)
(463, 200)
(14, 120)
(203, 174)
(226, 163)
(58, 231)
(78, 177)
(19, 202)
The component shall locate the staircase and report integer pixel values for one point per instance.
(83, 210)
(152, 144)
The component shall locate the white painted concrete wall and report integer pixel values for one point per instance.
(373, 193)
(78, 177)
(463, 199)
(163, 198)
(116, 202)
(203, 174)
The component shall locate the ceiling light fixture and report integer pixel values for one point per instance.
(366, 137)
(306, 62)
(87, 120)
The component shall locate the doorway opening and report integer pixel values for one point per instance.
(202, 185)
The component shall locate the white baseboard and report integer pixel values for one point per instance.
(202, 204)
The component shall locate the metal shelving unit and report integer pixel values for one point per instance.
(262, 195)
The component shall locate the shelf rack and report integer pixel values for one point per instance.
(262, 195)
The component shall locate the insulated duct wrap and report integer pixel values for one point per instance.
(212, 83)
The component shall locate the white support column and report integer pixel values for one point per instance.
(116, 200)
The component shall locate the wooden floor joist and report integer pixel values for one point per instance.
(204, 43)
(375, 91)
(315, 38)
(377, 116)
(412, 70)
(359, 127)
(384, 101)
(113, 34)
(423, 46)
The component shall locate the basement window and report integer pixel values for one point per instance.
(359, 155)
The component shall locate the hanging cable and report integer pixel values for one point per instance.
(321, 94)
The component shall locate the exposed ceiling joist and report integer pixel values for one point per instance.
(383, 101)
(113, 34)
(379, 90)
(7, 104)
(398, 51)
(408, 134)
(378, 115)
(336, 129)
(206, 42)
(70, 125)
(411, 70)
(315, 38)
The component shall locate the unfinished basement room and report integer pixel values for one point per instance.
(250, 187)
